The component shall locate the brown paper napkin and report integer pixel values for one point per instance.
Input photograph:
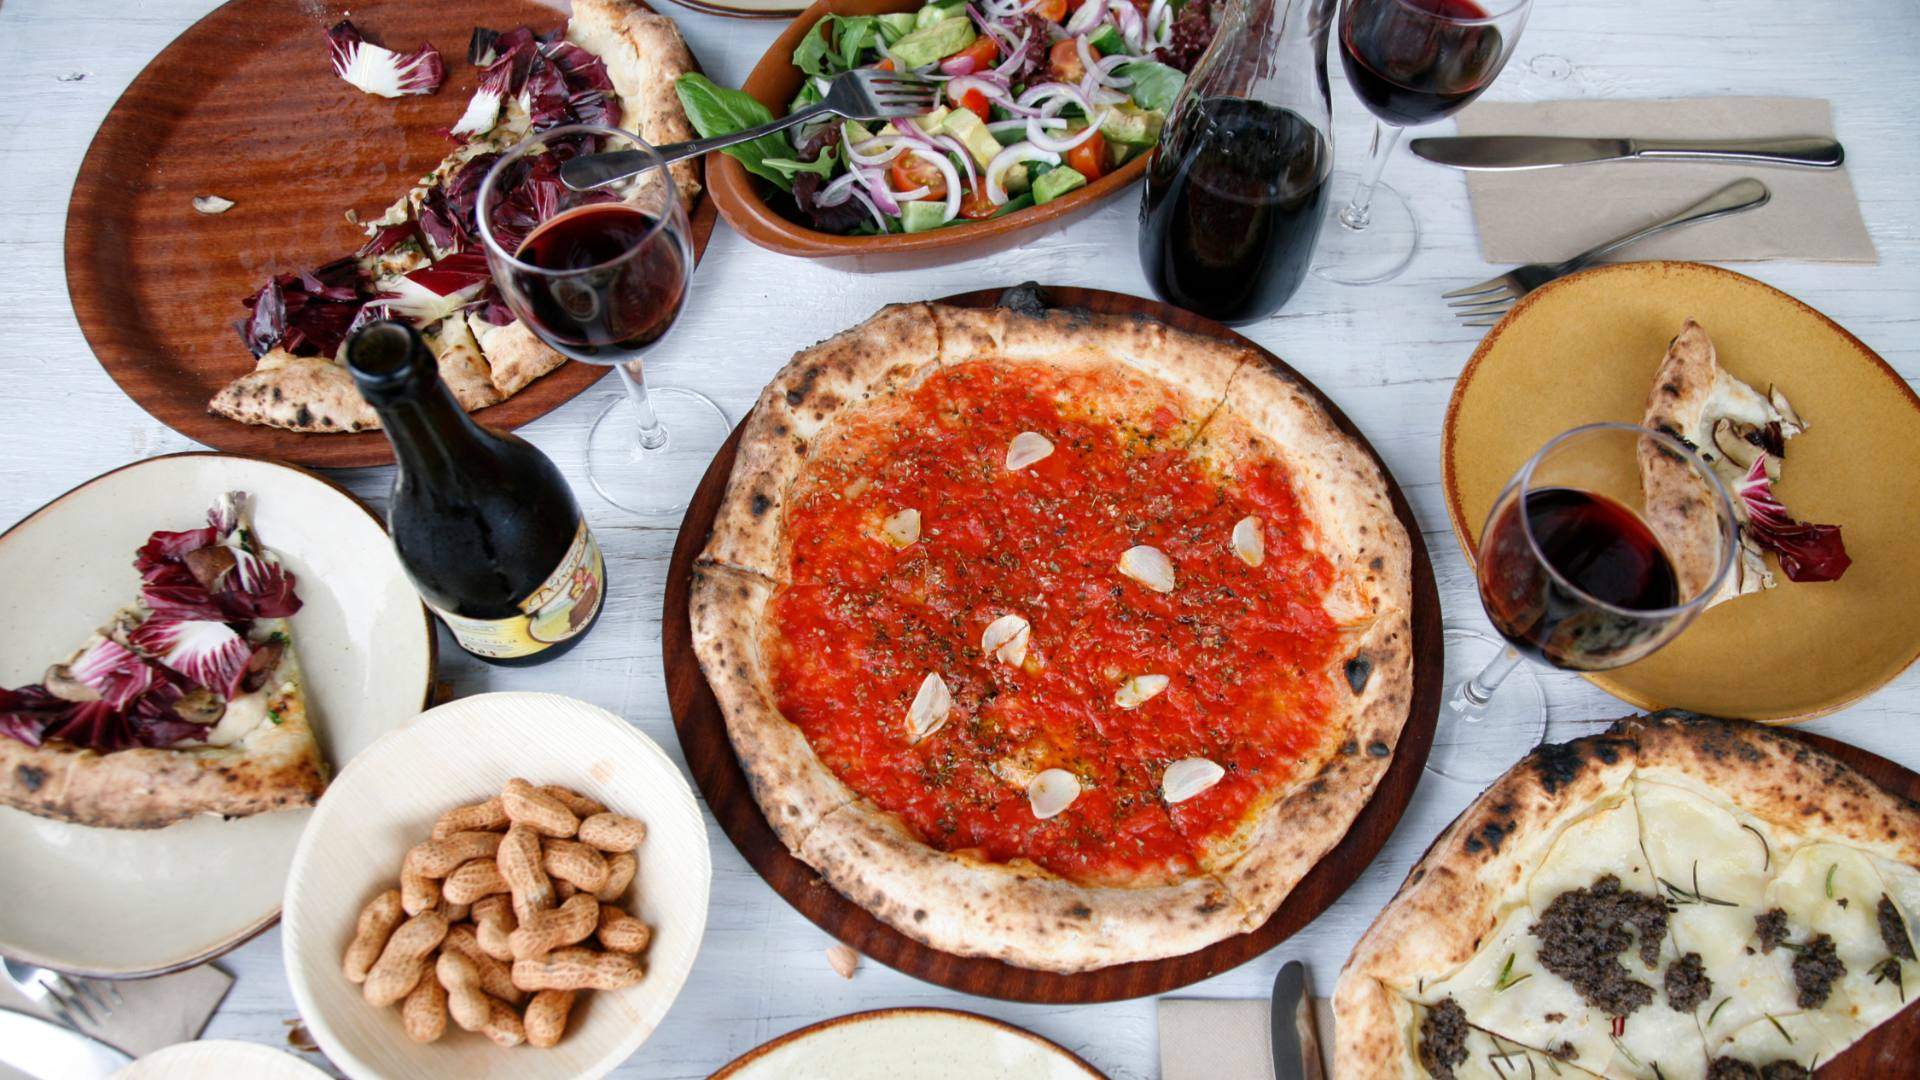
(1209, 1039)
(154, 1012)
(1545, 215)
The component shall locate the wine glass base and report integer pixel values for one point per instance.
(1374, 254)
(658, 481)
(1515, 720)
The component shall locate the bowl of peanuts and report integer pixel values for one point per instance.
(511, 884)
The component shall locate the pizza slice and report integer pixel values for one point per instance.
(1678, 897)
(1742, 435)
(423, 261)
(190, 701)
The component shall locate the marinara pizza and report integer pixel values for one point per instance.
(1060, 638)
(1675, 898)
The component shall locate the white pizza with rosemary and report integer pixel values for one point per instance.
(1061, 638)
(187, 701)
(1679, 897)
(614, 64)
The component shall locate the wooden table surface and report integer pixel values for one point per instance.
(1387, 354)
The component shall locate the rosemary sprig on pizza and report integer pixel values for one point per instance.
(188, 701)
(1677, 898)
(614, 64)
(1065, 639)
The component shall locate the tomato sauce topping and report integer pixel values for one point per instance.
(861, 621)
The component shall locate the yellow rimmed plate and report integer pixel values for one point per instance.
(1585, 348)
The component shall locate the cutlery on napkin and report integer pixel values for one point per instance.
(1540, 215)
(1213, 1039)
(152, 1013)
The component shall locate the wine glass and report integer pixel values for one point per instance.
(1578, 568)
(601, 276)
(1411, 62)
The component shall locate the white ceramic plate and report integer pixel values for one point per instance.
(926, 1044)
(219, 1057)
(459, 753)
(122, 903)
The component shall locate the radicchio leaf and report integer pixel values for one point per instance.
(379, 70)
(159, 560)
(258, 589)
(1806, 552)
(306, 314)
(190, 601)
(26, 713)
(208, 652)
(116, 673)
(93, 724)
(384, 239)
(432, 293)
(582, 69)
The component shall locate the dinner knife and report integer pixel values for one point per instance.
(44, 1049)
(1296, 1041)
(1490, 152)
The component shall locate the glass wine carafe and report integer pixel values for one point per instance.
(1237, 188)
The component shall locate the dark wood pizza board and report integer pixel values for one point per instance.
(244, 104)
(710, 756)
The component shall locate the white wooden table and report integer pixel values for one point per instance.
(1387, 354)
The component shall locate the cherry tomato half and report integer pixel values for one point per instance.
(910, 171)
(984, 52)
(1063, 60)
(1089, 159)
(975, 205)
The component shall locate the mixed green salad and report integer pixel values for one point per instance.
(1038, 98)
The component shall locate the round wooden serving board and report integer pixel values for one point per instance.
(245, 105)
(710, 756)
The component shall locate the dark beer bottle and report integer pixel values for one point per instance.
(485, 525)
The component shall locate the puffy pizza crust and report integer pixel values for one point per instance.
(1020, 913)
(272, 767)
(644, 54)
(1481, 869)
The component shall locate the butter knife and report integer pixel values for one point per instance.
(1548, 151)
(44, 1049)
(1296, 1041)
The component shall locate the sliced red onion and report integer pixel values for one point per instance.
(1034, 95)
(992, 29)
(952, 176)
(1085, 18)
(890, 149)
(1107, 65)
(1160, 22)
(878, 218)
(966, 158)
(838, 190)
(959, 64)
(1007, 158)
(999, 126)
(1016, 53)
(875, 182)
(1127, 18)
(1045, 141)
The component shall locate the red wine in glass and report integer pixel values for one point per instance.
(609, 281)
(1236, 194)
(1411, 62)
(1611, 590)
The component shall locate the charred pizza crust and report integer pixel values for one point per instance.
(274, 766)
(1477, 870)
(1018, 912)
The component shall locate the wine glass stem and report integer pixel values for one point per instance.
(652, 433)
(1470, 698)
(1358, 211)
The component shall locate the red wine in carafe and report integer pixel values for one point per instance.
(1235, 197)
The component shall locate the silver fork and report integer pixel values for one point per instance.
(1484, 303)
(63, 997)
(861, 94)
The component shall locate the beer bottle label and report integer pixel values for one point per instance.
(561, 607)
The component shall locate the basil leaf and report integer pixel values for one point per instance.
(1155, 85)
(857, 33)
(717, 110)
(811, 56)
(836, 44)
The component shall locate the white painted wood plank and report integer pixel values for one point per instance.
(1387, 354)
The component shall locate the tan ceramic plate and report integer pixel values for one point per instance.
(1585, 348)
(927, 1044)
(121, 902)
(459, 753)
